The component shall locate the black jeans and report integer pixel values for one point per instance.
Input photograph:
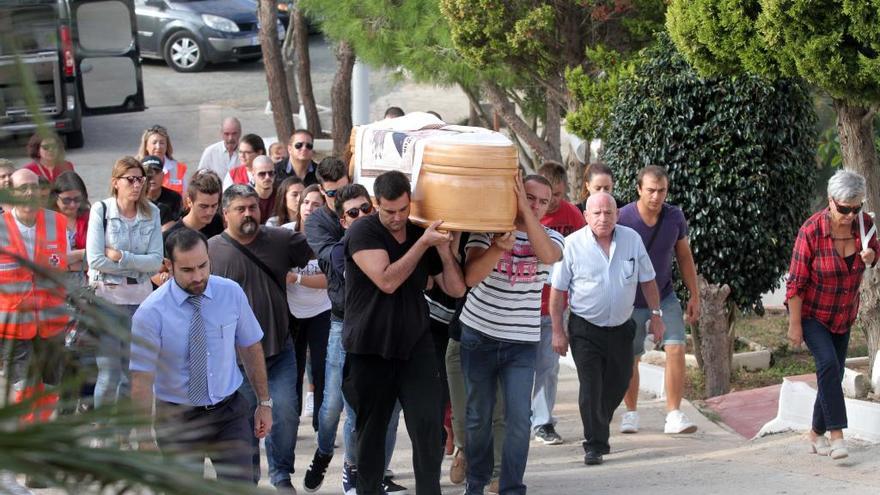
(372, 385)
(312, 333)
(604, 360)
(829, 353)
(223, 435)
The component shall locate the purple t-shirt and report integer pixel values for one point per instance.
(663, 250)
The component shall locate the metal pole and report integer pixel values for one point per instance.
(360, 93)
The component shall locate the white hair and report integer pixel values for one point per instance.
(599, 197)
(847, 186)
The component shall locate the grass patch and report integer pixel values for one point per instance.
(771, 331)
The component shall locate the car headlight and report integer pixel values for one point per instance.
(220, 23)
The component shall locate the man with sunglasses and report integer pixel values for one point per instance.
(264, 184)
(299, 162)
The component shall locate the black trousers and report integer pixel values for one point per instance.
(312, 334)
(372, 385)
(603, 357)
(223, 435)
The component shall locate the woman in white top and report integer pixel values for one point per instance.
(286, 210)
(309, 303)
(123, 249)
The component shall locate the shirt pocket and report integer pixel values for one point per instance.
(221, 341)
(628, 272)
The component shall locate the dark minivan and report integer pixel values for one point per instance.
(63, 59)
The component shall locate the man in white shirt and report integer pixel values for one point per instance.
(223, 155)
(600, 269)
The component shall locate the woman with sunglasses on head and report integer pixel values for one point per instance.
(309, 303)
(832, 251)
(47, 152)
(288, 194)
(123, 249)
(250, 147)
(155, 141)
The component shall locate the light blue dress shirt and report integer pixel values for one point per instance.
(160, 338)
(602, 288)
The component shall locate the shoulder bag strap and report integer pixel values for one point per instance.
(251, 256)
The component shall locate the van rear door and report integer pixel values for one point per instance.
(107, 57)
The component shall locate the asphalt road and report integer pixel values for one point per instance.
(191, 107)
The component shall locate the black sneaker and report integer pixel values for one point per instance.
(547, 434)
(317, 470)
(391, 487)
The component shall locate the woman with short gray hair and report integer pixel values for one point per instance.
(832, 250)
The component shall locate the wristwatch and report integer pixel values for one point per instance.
(266, 403)
(657, 312)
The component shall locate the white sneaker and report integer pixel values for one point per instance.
(309, 406)
(630, 422)
(677, 422)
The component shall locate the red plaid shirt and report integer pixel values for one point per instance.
(820, 276)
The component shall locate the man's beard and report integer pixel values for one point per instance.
(248, 226)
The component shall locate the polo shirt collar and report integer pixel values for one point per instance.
(180, 296)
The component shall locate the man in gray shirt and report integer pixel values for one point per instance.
(259, 258)
(601, 267)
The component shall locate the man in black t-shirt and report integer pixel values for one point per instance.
(389, 351)
(168, 201)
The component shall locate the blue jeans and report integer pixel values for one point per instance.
(829, 353)
(331, 407)
(281, 441)
(484, 362)
(546, 377)
(111, 357)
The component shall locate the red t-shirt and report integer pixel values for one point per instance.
(565, 220)
(82, 225)
(50, 175)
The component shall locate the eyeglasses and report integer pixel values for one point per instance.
(246, 152)
(846, 210)
(49, 147)
(365, 208)
(70, 201)
(301, 144)
(25, 188)
(134, 179)
(268, 173)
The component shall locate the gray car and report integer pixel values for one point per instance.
(188, 34)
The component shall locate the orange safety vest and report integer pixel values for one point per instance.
(239, 175)
(31, 304)
(174, 178)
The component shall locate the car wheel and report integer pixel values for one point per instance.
(75, 140)
(184, 53)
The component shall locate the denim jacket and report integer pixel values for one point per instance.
(140, 244)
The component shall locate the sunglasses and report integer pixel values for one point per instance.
(331, 193)
(301, 144)
(365, 209)
(269, 173)
(158, 128)
(846, 210)
(134, 179)
(70, 201)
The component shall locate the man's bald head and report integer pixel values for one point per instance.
(230, 132)
(263, 160)
(600, 200)
(24, 176)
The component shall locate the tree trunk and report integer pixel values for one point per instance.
(507, 110)
(288, 54)
(553, 123)
(715, 340)
(275, 79)
(476, 116)
(340, 96)
(855, 127)
(304, 69)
